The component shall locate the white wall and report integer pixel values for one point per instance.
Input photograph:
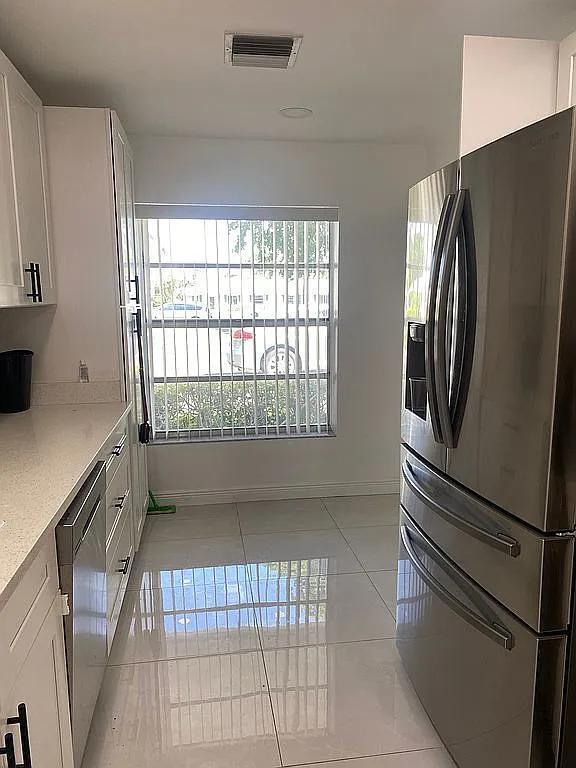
(507, 83)
(368, 183)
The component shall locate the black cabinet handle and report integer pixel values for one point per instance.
(31, 269)
(119, 447)
(8, 750)
(35, 282)
(121, 500)
(22, 721)
(38, 283)
(136, 281)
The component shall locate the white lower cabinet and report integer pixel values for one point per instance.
(119, 557)
(35, 713)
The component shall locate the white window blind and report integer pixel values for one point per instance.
(239, 320)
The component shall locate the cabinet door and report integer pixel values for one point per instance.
(124, 201)
(31, 189)
(140, 514)
(131, 225)
(42, 686)
(138, 463)
(119, 559)
(11, 274)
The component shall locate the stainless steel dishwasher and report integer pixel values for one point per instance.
(81, 544)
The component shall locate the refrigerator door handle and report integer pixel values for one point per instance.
(500, 541)
(441, 320)
(429, 365)
(495, 632)
(466, 318)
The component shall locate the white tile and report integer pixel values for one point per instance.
(386, 582)
(338, 701)
(320, 609)
(376, 547)
(289, 515)
(305, 553)
(354, 511)
(164, 563)
(423, 758)
(209, 711)
(178, 621)
(193, 523)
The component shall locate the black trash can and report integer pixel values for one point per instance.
(15, 380)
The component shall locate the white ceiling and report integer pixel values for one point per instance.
(383, 70)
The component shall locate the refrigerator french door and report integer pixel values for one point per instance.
(515, 443)
(429, 208)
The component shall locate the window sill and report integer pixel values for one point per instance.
(238, 438)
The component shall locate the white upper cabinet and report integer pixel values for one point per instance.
(11, 278)
(123, 190)
(26, 264)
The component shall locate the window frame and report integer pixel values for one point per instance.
(248, 213)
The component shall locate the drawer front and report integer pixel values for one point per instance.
(23, 614)
(491, 686)
(115, 450)
(117, 493)
(511, 561)
(118, 565)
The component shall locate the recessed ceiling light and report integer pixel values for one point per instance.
(296, 113)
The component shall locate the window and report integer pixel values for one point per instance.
(241, 324)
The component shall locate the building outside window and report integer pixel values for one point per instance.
(241, 319)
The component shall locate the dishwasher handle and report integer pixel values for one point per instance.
(73, 528)
(88, 522)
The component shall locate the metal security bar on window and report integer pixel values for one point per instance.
(240, 313)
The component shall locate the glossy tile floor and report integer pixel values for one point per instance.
(260, 635)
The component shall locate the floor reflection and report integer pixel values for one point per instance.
(164, 577)
(215, 699)
(300, 687)
(209, 711)
(310, 566)
(187, 612)
(292, 608)
(210, 613)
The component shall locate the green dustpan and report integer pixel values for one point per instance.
(156, 509)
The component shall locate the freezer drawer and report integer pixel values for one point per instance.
(491, 686)
(528, 572)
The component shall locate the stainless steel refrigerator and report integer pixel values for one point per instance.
(488, 469)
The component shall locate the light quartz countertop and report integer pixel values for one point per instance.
(46, 453)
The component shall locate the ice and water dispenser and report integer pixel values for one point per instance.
(415, 394)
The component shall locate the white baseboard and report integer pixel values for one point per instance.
(191, 498)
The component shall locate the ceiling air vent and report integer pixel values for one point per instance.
(272, 51)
